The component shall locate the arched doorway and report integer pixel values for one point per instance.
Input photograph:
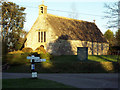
(42, 46)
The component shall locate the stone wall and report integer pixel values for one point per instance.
(69, 47)
(60, 47)
(40, 25)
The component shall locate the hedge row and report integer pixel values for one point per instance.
(21, 58)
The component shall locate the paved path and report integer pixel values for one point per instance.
(76, 80)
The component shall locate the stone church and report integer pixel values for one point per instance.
(61, 36)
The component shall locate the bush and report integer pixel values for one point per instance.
(40, 50)
(18, 45)
(27, 49)
(48, 63)
(46, 56)
(17, 58)
(16, 52)
(8, 57)
(114, 50)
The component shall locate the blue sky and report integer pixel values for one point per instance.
(87, 10)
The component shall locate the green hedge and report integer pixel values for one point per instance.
(19, 57)
(16, 59)
(40, 50)
(27, 49)
(114, 50)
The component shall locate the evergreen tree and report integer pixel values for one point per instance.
(13, 18)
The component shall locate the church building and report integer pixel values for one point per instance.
(61, 36)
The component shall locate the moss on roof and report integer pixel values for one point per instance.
(75, 29)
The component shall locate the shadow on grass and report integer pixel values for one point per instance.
(106, 65)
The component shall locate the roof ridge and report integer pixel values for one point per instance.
(68, 18)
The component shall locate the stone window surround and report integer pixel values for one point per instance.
(44, 38)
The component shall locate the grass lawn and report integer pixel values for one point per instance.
(104, 58)
(70, 64)
(32, 83)
(95, 58)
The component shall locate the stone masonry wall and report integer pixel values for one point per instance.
(69, 47)
(40, 25)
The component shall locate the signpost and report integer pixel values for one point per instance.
(34, 59)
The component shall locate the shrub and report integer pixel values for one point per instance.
(35, 54)
(18, 46)
(16, 52)
(48, 63)
(17, 58)
(46, 56)
(5, 57)
(114, 50)
(27, 49)
(40, 50)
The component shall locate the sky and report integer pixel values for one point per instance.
(87, 10)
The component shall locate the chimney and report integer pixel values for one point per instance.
(94, 21)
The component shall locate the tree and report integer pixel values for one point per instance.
(20, 43)
(1, 1)
(73, 13)
(113, 15)
(110, 37)
(117, 35)
(13, 20)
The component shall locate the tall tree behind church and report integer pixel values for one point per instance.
(117, 35)
(13, 18)
(110, 37)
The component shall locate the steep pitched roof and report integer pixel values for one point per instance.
(75, 29)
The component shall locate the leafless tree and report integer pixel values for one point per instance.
(73, 14)
(113, 15)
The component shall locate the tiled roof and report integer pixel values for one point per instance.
(75, 29)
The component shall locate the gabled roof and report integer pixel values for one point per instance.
(75, 29)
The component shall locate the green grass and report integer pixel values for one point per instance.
(65, 59)
(32, 83)
(95, 58)
(70, 64)
(103, 58)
